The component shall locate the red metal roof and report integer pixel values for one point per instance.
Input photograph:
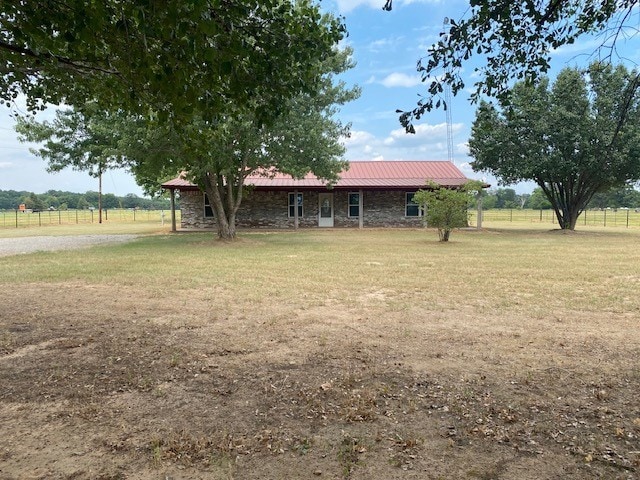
(361, 174)
(177, 183)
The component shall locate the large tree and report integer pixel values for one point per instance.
(85, 140)
(200, 70)
(574, 138)
(173, 57)
(515, 41)
(219, 156)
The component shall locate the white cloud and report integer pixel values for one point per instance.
(580, 47)
(465, 167)
(382, 44)
(6, 164)
(432, 2)
(428, 143)
(400, 80)
(358, 137)
(462, 148)
(424, 133)
(345, 6)
(389, 44)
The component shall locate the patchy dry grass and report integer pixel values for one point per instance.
(334, 354)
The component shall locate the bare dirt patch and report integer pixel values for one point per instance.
(130, 386)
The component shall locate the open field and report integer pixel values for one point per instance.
(374, 354)
(590, 218)
(12, 219)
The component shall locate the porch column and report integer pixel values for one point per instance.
(295, 209)
(361, 209)
(173, 209)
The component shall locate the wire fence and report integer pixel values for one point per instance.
(25, 219)
(599, 218)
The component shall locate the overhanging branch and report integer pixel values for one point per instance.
(78, 66)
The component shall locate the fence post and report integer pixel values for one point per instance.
(585, 216)
(605, 217)
(16, 218)
(91, 216)
(59, 218)
(627, 218)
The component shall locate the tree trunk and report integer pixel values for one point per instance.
(100, 195)
(568, 215)
(566, 204)
(226, 231)
(225, 198)
(443, 233)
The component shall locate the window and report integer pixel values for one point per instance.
(354, 205)
(292, 205)
(208, 211)
(412, 209)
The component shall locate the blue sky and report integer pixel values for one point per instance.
(386, 47)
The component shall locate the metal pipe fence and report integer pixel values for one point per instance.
(599, 218)
(26, 219)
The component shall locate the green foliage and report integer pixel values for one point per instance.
(33, 202)
(538, 200)
(516, 41)
(218, 156)
(489, 201)
(574, 139)
(446, 208)
(173, 58)
(243, 101)
(625, 197)
(504, 198)
(85, 139)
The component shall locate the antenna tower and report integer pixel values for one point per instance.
(447, 99)
(447, 103)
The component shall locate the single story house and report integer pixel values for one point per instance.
(368, 194)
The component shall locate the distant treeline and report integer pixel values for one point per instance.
(624, 197)
(11, 200)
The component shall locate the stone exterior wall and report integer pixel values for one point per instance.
(386, 208)
(192, 211)
(270, 209)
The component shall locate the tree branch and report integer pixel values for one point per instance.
(79, 67)
(551, 10)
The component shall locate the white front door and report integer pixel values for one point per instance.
(325, 209)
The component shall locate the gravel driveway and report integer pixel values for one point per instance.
(16, 246)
